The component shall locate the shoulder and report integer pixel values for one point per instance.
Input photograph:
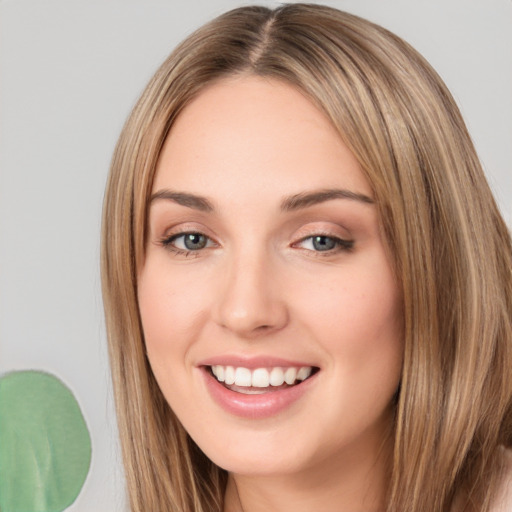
(503, 501)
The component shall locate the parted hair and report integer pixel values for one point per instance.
(449, 246)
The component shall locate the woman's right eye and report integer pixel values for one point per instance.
(185, 243)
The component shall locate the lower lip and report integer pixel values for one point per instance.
(258, 406)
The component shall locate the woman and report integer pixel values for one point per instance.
(306, 279)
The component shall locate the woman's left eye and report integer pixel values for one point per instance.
(325, 243)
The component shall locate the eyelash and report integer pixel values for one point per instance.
(169, 243)
(340, 244)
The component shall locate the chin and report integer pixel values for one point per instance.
(261, 464)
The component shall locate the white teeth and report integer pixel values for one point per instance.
(290, 375)
(260, 377)
(229, 375)
(276, 377)
(218, 371)
(243, 377)
(303, 373)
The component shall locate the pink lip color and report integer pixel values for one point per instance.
(260, 406)
(252, 362)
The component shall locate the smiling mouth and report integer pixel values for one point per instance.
(260, 380)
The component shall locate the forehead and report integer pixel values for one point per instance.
(247, 128)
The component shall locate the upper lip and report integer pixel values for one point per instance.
(252, 362)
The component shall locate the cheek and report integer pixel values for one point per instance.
(168, 314)
(169, 324)
(354, 307)
(358, 320)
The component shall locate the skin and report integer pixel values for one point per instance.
(261, 287)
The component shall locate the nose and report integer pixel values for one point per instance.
(251, 302)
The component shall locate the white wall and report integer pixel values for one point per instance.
(69, 72)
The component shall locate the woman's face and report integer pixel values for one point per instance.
(265, 262)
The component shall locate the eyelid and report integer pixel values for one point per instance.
(183, 228)
(342, 239)
(319, 227)
(341, 244)
(172, 234)
(176, 236)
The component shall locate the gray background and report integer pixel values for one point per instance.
(70, 72)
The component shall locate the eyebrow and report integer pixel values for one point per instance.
(292, 203)
(306, 199)
(183, 198)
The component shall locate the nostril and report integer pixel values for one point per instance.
(263, 328)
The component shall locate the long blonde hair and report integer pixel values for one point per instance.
(450, 248)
